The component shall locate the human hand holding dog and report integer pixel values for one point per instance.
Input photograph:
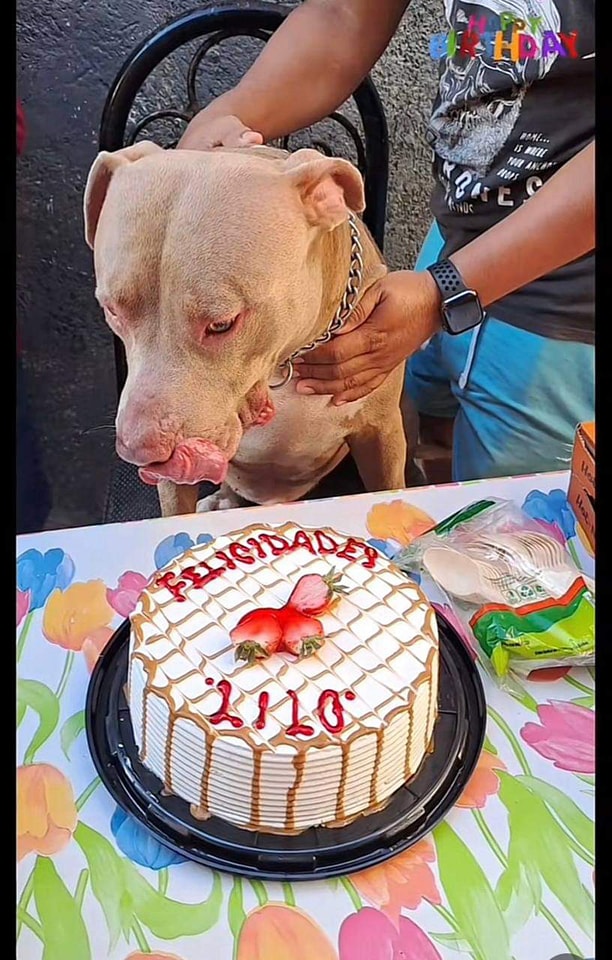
(394, 317)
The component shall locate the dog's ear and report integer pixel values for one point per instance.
(328, 187)
(100, 175)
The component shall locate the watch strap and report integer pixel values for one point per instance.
(447, 277)
(461, 308)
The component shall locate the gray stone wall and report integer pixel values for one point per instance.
(68, 53)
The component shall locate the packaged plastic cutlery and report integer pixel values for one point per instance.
(512, 583)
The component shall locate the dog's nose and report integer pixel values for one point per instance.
(143, 445)
(144, 451)
(146, 432)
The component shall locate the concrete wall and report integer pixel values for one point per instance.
(68, 53)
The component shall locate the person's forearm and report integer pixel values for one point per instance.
(313, 62)
(551, 229)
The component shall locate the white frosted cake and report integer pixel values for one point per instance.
(283, 678)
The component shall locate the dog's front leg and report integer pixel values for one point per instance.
(222, 499)
(177, 498)
(379, 450)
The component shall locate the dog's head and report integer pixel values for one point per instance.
(208, 267)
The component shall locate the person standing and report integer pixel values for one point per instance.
(502, 294)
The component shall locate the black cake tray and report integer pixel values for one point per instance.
(319, 852)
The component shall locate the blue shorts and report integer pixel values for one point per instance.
(516, 396)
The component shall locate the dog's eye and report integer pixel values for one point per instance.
(220, 326)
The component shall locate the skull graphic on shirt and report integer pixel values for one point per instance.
(480, 98)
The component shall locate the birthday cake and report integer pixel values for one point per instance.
(282, 678)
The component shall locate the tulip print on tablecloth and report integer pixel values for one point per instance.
(392, 526)
(77, 620)
(369, 933)
(46, 811)
(553, 513)
(93, 645)
(483, 783)
(548, 674)
(277, 932)
(404, 881)
(565, 735)
(124, 597)
(38, 575)
(74, 619)
(70, 615)
(556, 518)
(139, 844)
(171, 547)
(398, 521)
(23, 605)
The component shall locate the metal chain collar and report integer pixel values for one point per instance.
(345, 308)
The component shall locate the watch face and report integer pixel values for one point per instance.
(452, 322)
(462, 311)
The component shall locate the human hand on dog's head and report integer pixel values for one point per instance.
(205, 133)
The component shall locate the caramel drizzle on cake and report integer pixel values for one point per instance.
(298, 762)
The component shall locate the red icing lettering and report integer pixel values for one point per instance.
(302, 539)
(297, 729)
(348, 553)
(372, 556)
(276, 551)
(226, 560)
(264, 700)
(170, 582)
(257, 547)
(239, 552)
(212, 574)
(225, 689)
(332, 697)
(195, 578)
(209, 681)
(350, 695)
(322, 548)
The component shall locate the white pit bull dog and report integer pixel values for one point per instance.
(215, 268)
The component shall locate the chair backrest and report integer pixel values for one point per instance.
(214, 25)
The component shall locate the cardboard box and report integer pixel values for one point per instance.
(581, 494)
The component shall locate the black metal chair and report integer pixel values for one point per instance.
(128, 498)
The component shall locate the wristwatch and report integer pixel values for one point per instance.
(461, 308)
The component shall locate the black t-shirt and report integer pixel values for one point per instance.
(501, 127)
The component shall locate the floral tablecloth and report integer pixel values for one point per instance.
(507, 876)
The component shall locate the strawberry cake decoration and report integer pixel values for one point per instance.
(293, 628)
